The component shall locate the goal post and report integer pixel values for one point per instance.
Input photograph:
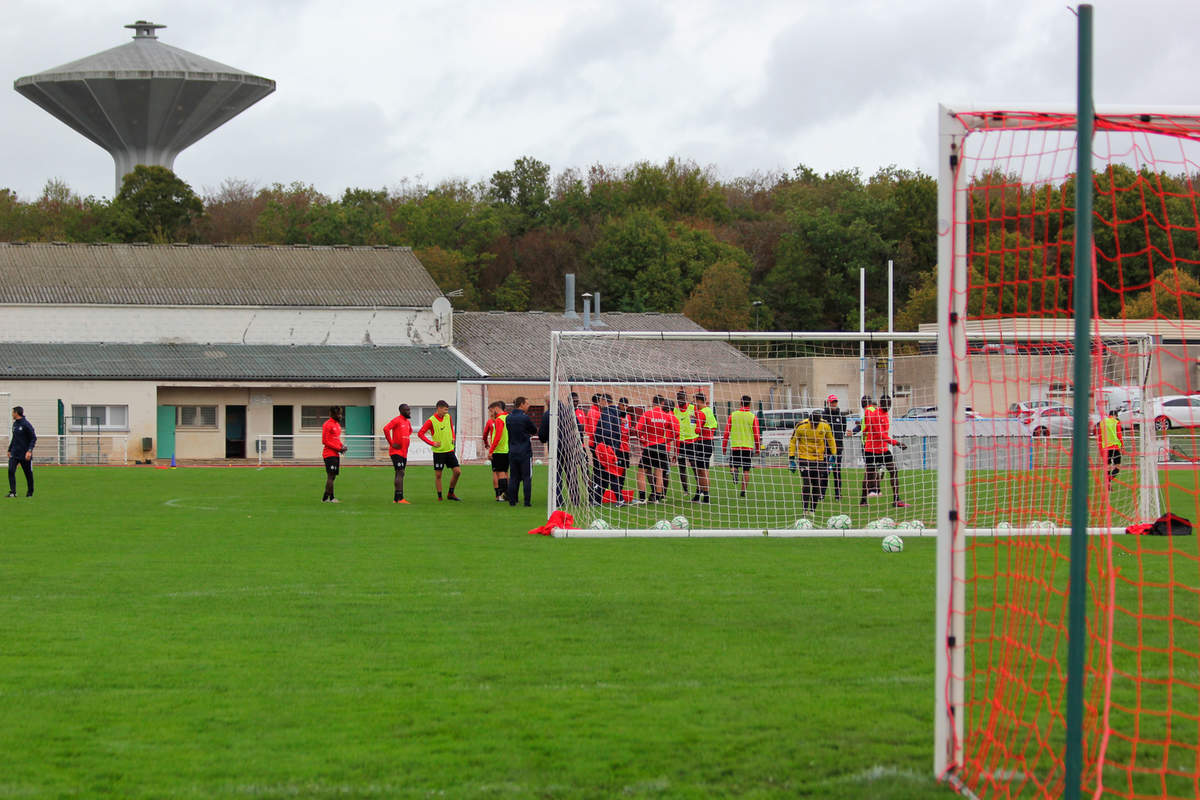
(1006, 224)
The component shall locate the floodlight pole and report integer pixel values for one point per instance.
(1081, 478)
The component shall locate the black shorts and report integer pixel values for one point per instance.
(623, 459)
(333, 464)
(499, 462)
(884, 460)
(1114, 458)
(741, 458)
(655, 457)
(704, 451)
(443, 460)
(692, 454)
(399, 462)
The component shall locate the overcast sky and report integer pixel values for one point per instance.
(370, 93)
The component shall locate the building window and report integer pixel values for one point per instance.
(102, 418)
(196, 416)
(313, 417)
(903, 390)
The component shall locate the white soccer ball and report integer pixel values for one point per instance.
(873, 525)
(803, 524)
(537, 462)
(600, 525)
(839, 521)
(887, 523)
(680, 523)
(1003, 525)
(661, 525)
(892, 543)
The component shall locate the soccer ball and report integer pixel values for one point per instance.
(537, 462)
(839, 521)
(803, 524)
(887, 523)
(661, 525)
(680, 523)
(912, 525)
(1004, 525)
(1042, 524)
(892, 543)
(600, 525)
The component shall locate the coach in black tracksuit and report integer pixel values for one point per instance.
(520, 451)
(837, 421)
(20, 451)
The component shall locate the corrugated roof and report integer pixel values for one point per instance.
(216, 275)
(516, 346)
(222, 362)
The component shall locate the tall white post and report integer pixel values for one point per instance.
(862, 328)
(891, 376)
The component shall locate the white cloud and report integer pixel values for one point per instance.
(370, 93)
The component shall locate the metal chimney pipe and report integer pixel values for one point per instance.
(569, 310)
(587, 311)
(597, 295)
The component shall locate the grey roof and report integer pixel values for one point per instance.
(222, 362)
(213, 275)
(516, 346)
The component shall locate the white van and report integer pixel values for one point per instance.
(1115, 397)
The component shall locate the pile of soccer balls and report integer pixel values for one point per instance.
(839, 522)
(678, 523)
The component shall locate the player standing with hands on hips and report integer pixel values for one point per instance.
(331, 451)
(398, 432)
(20, 451)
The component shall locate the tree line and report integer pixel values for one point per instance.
(773, 251)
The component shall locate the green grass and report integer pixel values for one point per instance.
(219, 632)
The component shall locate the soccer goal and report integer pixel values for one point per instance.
(1006, 224)
(736, 400)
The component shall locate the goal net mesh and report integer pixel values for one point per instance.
(1012, 232)
(740, 466)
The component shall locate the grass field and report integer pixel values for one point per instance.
(219, 632)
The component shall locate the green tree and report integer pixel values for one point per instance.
(1173, 295)
(162, 205)
(289, 213)
(452, 271)
(525, 189)
(630, 264)
(721, 301)
(513, 293)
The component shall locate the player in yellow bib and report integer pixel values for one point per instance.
(689, 440)
(438, 433)
(495, 439)
(1111, 444)
(743, 440)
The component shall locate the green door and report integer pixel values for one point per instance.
(360, 421)
(166, 432)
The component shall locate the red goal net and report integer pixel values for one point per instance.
(1007, 229)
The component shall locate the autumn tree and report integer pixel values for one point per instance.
(721, 301)
(162, 206)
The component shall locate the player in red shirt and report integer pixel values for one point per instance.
(398, 432)
(658, 431)
(493, 437)
(877, 454)
(331, 450)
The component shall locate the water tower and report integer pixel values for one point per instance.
(144, 101)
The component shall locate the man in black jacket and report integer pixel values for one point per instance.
(20, 451)
(520, 452)
(837, 422)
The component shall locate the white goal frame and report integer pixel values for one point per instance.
(955, 124)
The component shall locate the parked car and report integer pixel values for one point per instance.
(1028, 407)
(1056, 421)
(1174, 411)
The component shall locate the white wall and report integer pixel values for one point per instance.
(224, 324)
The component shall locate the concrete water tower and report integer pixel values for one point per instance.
(144, 101)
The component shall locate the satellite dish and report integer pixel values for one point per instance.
(442, 307)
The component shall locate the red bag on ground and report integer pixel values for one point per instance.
(559, 519)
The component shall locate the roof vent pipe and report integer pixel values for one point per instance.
(597, 296)
(587, 311)
(569, 309)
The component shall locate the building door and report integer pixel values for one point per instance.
(166, 432)
(282, 429)
(235, 431)
(360, 421)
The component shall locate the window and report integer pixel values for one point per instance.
(196, 416)
(313, 416)
(1179, 401)
(110, 418)
(903, 390)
